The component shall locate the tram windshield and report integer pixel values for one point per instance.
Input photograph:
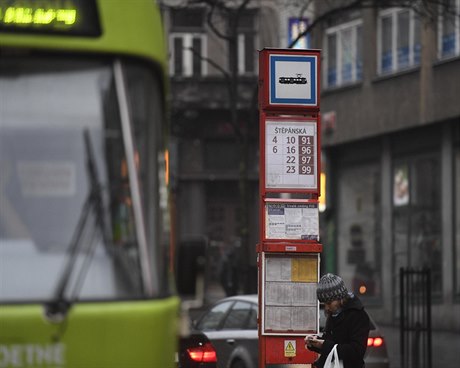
(66, 209)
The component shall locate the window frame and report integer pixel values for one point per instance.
(245, 30)
(242, 55)
(456, 235)
(187, 55)
(456, 52)
(338, 31)
(393, 13)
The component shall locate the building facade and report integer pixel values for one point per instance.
(391, 139)
(390, 133)
(215, 148)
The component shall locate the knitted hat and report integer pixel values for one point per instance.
(330, 288)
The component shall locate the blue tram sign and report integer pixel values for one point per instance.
(289, 79)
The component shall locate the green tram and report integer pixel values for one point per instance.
(85, 280)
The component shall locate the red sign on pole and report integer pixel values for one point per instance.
(290, 167)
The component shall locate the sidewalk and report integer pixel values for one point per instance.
(445, 347)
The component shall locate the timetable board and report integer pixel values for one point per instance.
(291, 154)
(295, 221)
(289, 294)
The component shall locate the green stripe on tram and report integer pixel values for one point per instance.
(99, 335)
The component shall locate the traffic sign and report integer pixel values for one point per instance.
(289, 79)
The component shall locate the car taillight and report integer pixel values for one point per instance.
(375, 341)
(204, 353)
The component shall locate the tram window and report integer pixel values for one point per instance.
(147, 118)
(45, 182)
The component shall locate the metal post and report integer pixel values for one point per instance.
(428, 317)
(401, 314)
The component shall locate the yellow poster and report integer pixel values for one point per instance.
(304, 269)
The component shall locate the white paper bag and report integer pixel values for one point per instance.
(332, 360)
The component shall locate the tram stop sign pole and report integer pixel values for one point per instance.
(289, 248)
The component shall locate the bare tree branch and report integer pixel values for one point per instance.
(221, 6)
(325, 16)
(425, 8)
(212, 25)
(211, 62)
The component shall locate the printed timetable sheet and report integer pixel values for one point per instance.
(291, 155)
(292, 221)
(290, 293)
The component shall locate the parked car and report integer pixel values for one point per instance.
(196, 351)
(231, 326)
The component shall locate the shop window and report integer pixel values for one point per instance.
(399, 44)
(343, 47)
(417, 217)
(359, 231)
(449, 29)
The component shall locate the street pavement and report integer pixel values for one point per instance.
(445, 347)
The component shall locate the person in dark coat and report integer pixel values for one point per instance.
(347, 324)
